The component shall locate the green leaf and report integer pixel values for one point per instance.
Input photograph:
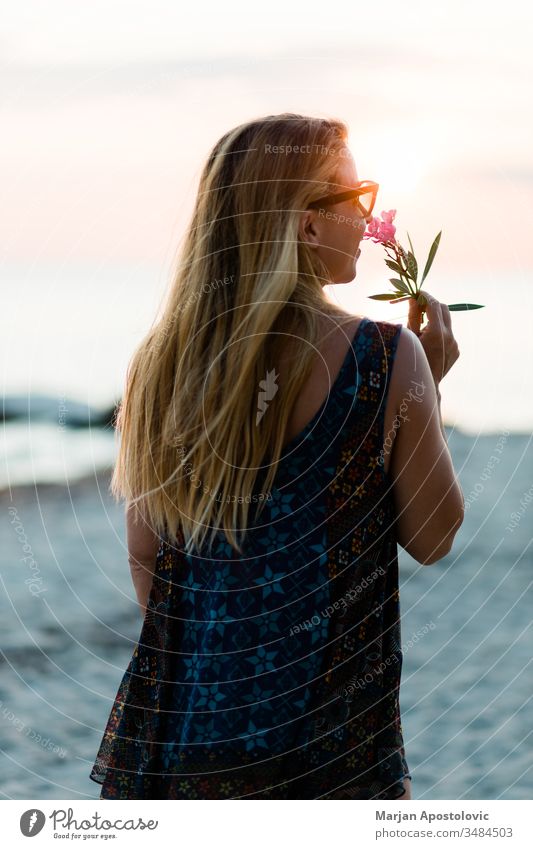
(400, 285)
(431, 256)
(393, 266)
(412, 266)
(459, 307)
(391, 297)
(411, 244)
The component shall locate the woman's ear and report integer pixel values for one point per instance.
(308, 229)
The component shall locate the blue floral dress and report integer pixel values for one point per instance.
(276, 674)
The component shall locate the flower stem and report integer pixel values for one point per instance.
(403, 271)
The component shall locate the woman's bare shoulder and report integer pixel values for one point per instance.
(341, 328)
(409, 360)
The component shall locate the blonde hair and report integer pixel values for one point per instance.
(192, 437)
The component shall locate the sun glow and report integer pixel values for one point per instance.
(398, 162)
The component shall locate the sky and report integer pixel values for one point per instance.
(110, 109)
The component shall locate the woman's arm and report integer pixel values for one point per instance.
(143, 544)
(427, 495)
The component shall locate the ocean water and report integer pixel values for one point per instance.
(69, 347)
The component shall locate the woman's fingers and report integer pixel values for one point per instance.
(446, 316)
(437, 338)
(415, 316)
(433, 311)
(438, 316)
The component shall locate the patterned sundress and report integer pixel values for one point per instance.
(276, 674)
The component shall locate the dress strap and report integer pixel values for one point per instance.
(376, 349)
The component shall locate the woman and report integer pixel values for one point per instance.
(271, 458)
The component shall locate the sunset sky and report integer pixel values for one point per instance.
(109, 110)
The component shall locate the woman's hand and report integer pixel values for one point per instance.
(437, 336)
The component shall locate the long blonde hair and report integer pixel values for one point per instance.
(201, 410)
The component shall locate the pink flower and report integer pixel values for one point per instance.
(372, 229)
(381, 230)
(386, 232)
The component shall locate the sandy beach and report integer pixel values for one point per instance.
(69, 623)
